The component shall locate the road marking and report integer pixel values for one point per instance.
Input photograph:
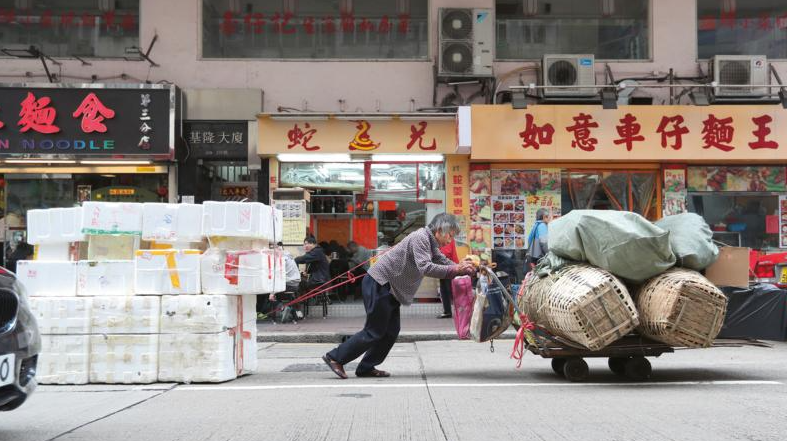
(354, 385)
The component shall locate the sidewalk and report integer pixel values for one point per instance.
(315, 329)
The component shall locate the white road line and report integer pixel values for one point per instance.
(360, 385)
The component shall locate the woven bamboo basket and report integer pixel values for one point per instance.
(682, 308)
(581, 303)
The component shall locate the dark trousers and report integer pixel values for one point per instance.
(446, 294)
(378, 334)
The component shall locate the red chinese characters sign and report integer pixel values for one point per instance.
(286, 23)
(374, 135)
(48, 19)
(630, 133)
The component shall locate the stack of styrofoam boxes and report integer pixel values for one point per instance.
(51, 281)
(124, 328)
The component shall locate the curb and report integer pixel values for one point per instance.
(338, 337)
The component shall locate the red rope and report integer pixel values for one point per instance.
(519, 343)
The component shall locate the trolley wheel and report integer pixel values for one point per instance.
(557, 365)
(638, 368)
(575, 369)
(618, 365)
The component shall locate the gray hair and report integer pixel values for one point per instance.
(444, 222)
(541, 213)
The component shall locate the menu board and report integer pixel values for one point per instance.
(783, 221)
(508, 221)
(479, 235)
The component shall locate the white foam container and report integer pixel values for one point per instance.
(252, 274)
(54, 252)
(124, 359)
(111, 278)
(280, 271)
(236, 219)
(64, 359)
(278, 226)
(187, 358)
(47, 279)
(125, 315)
(153, 275)
(111, 218)
(106, 247)
(62, 315)
(200, 314)
(172, 222)
(54, 225)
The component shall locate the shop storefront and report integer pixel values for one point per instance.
(725, 163)
(62, 144)
(369, 179)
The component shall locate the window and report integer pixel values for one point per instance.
(315, 29)
(66, 28)
(609, 29)
(742, 27)
(635, 191)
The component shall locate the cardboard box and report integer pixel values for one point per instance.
(111, 278)
(102, 248)
(125, 315)
(64, 359)
(172, 222)
(235, 219)
(54, 225)
(124, 359)
(237, 272)
(161, 272)
(731, 269)
(47, 279)
(62, 315)
(111, 218)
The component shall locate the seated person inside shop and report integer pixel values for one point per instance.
(317, 271)
(358, 255)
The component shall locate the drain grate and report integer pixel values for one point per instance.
(316, 367)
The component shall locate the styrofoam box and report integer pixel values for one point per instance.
(111, 278)
(236, 219)
(153, 275)
(51, 279)
(187, 358)
(266, 225)
(111, 218)
(226, 243)
(126, 359)
(54, 225)
(62, 315)
(64, 359)
(251, 274)
(198, 314)
(280, 278)
(278, 226)
(105, 247)
(172, 222)
(54, 252)
(125, 315)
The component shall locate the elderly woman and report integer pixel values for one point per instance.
(538, 238)
(391, 282)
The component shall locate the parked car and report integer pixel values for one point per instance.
(20, 343)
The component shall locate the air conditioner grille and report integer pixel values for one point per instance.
(735, 72)
(457, 57)
(562, 73)
(457, 24)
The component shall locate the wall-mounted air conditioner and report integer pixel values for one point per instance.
(466, 42)
(741, 72)
(568, 70)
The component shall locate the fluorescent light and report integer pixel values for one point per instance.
(407, 158)
(96, 162)
(298, 117)
(40, 161)
(309, 157)
(363, 118)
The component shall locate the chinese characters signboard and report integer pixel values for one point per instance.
(86, 121)
(395, 135)
(217, 140)
(630, 133)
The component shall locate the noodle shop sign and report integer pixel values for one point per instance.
(630, 133)
(362, 134)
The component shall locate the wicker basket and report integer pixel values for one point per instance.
(682, 308)
(581, 303)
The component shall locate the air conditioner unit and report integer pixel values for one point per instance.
(568, 70)
(466, 42)
(743, 70)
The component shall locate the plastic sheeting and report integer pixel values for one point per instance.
(623, 243)
(758, 312)
(691, 240)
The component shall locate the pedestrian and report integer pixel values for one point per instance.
(538, 239)
(446, 292)
(393, 281)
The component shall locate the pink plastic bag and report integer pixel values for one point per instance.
(462, 288)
